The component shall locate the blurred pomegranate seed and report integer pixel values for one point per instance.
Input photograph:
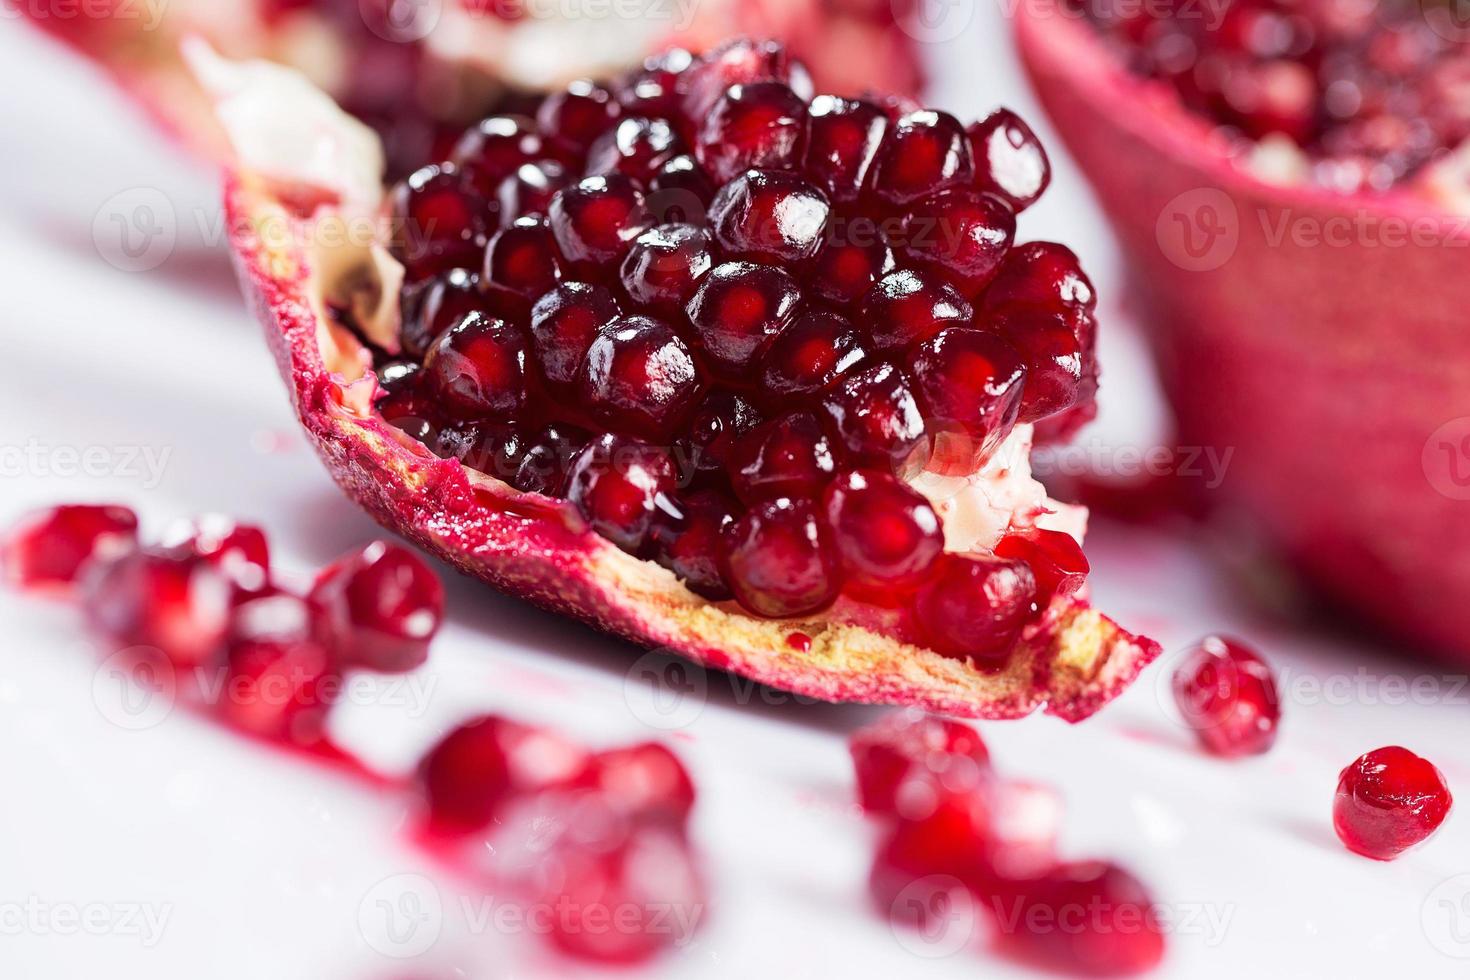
(384, 603)
(49, 548)
(1228, 696)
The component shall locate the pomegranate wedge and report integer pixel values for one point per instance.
(561, 393)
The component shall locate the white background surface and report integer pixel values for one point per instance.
(266, 868)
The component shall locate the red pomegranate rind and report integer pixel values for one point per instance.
(1071, 662)
(1287, 323)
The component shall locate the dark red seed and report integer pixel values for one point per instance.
(1389, 801)
(49, 548)
(665, 265)
(1055, 557)
(877, 420)
(1041, 276)
(491, 151)
(522, 259)
(564, 323)
(770, 215)
(439, 222)
(960, 234)
(689, 544)
(925, 152)
(178, 604)
(680, 192)
(843, 138)
(1227, 694)
(640, 377)
(404, 403)
(739, 61)
(789, 456)
(434, 305)
(577, 115)
(906, 744)
(530, 189)
(597, 219)
(760, 124)
(385, 605)
(969, 385)
(1009, 159)
(907, 307)
(887, 534)
(616, 484)
(547, 457)
(779, 560)
(282, 675)
(974, 608)
(636, 147)
(850, 263)
(1053, 357)
(810, 356)
(492, 448)
(652, 90)
(737, 309)
(722, 419)
(477, 369)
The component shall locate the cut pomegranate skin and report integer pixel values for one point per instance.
(1286, 323)
(1389, 801)
(49, 548)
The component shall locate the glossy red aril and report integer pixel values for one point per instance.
(1055, 557)
(434, 305)
(960, 234)
(596, 219)
(789, 456)
(522, 261)
(640, 377)
(281, 674)
(49, 548)
(877, 420)
(1389, 801)
(690, 543)
(635, 147)
(492, 150)
(548, 455)
(665, 265)
(240, 551)
(1040, 276)
(969, 384)
(384, 603)
(843, 139)
(1228, 696)
(736, 311)
(854, 258)
(887, 534)
(403, 402)
(910, 744)
(472, 771)
(492, 448)
(178, 604)
(477, 369)
(530, 189)
(760, 125)
(646, 781)
(652, 90)
(780, 560)
(616, 484)
(1055, 361)
(564, 323)
(925, 152)
(1009, 160)
(577, 115)
(680, 192)
(907, 307)
(975, 608)
(738, 61)
(439, 222)
(770, 216)
(810, 356)
(720, 422)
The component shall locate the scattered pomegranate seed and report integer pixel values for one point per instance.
(647, 781)
(1228, 696)
(281, 672)
(176, 603)
(384, 603)
(1389, 801)
(909, 744)
(240, 551)
(49, 548)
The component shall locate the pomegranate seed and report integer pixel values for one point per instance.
(961, 234)
(477, 369)
(924, 153)
(530, 189)
(855, 257)
(886, 533)
(665, 265)
(720, 422)
(564, 323)
(1053, 358)
(492, 448)
(1389, 801)
(385, 603)
(239, 551)
(176, 603)
(596, 219)
(877, 419)
(653, 89)
(404, 404)
(616, 484)
(640, 377)
(974, 608)
(680, 192)
(547, 458)
(50, 548)
(434, 305)
(908, 743)
(907, 307)
(577, 115)
(689, 545)
(789, 456)
(1227, 694)
(1040, 276)
(440, 223)
(780, 561)
(281, 676)
(970, 385)
(636, 147)
(739, 61)
(468, 776)
(842, 142)
(1009, 160)
(646, 781)
(737, 309)
(769, 215)
(1055, 557)
(492, 150)
(810, 356)
(758, 125)
(522, 260)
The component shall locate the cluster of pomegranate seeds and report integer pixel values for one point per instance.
(748, 317)
(204, 597)
(1389, 801)
(1228, 696)
(951, 822)
(1371, 92)
(598, 838)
